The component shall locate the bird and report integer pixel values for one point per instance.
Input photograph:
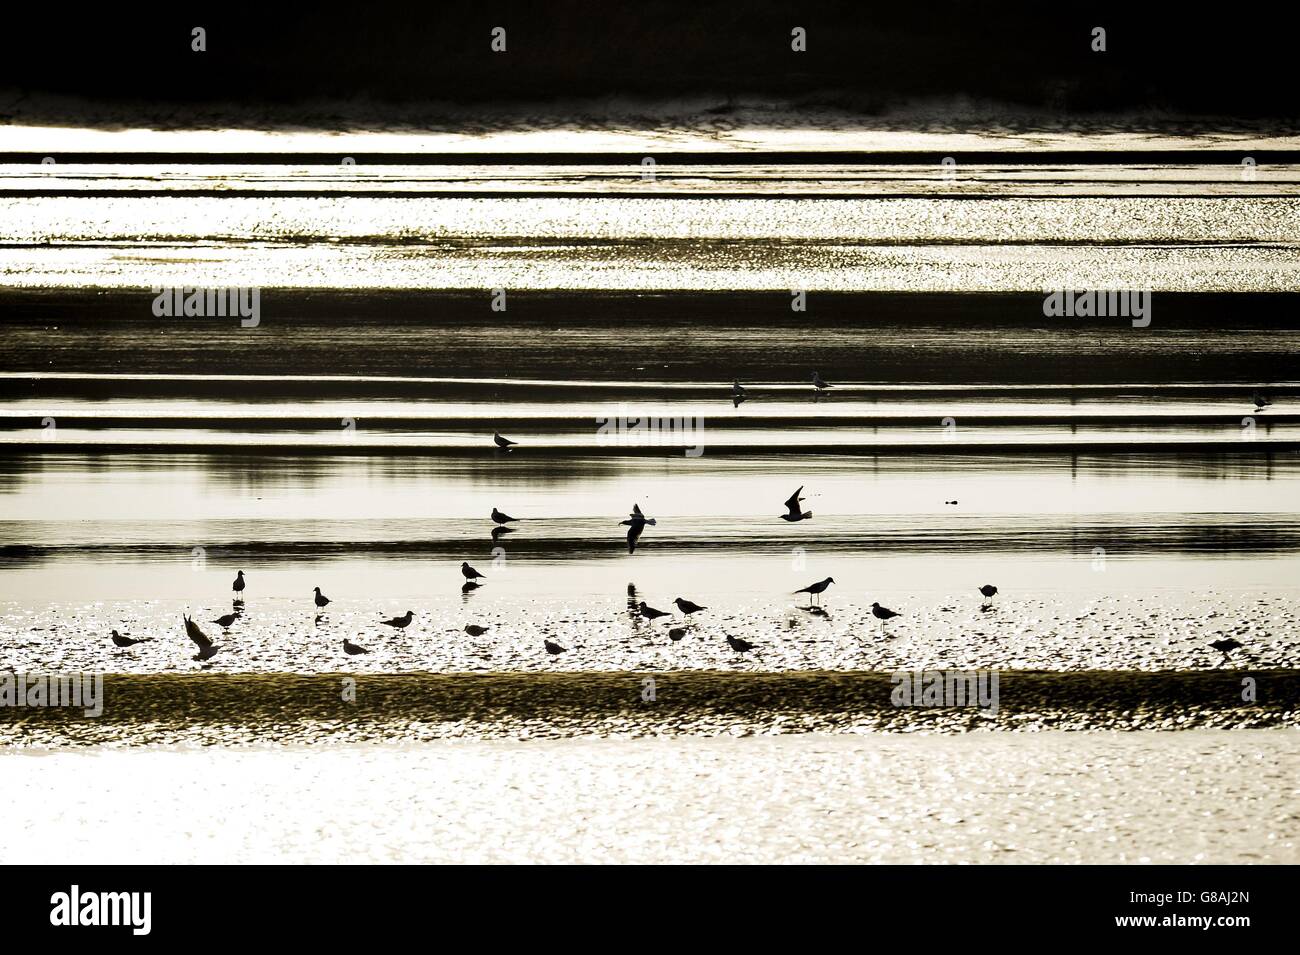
(476, 631)
(988, 590)
(400, 623)
(225, 620)
(351, 649)
(739, 645)
(1226, 646)
(687, 607)
(792, 512)
(502, 443)
(814, 589)
(950, 502)
(470, 573)
(121, 641)
(882, 614)
(650, 613)
(636, 523)
(321, 599)
(499, 518)
(1261, 400)
(676, 633)
(238, 585)
(819, 384)
(553, 648)
(737, 394)
(207, 649)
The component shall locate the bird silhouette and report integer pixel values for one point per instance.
(400, 623)
(739, 645)
(503, 443)
(650, 613)
(676, 633)
(687, 607)
(819, 384)
(792, 511)
(225, 620)
(321, 600)
(207, 649)
(814, 589)
(238, 585)
(737, 394)
(121, 641)
(351, 649)
(882, 614)
(499, 518)
(1261, 400)
(476, 631)
(636, 523)
(553, 648)
(989, 591)
(470, 573)
(1226, 646)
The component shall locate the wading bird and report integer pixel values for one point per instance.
(470, 573)
(814, 589)
(400, 623)
(503, 443)
(351, 649)
(321, 600)
(989, 592)
(476, 631)
(882, 614)
(792, 511)
(650, 613)
(121, 641)
(238, 585)
(225, 620)
(819, 384)
(207, 649)
(499, 518)
(553, 648)
(737, 394)
(676, 633)
(739, 645)
(1226, 646)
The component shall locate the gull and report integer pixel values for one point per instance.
(739, 645)
(882, 614)
(1226, 646)
(470, 573)
(225, 620)
(476, 631)
(650, 613)
(499, 518)
(988, 590)
(687, 607)
(1261, 400)
(737, 394)
(636, 523)
(553, 648)
(321, 599)
(676, 633)
(238, 585)
(400, 623)
(502, 443)
(351, 649)
(819, 384)
(814, 589)
(121, 641)
(792, 512)
(207, 649)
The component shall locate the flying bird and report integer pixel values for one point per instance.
(737, 394)
(476, 631)
(351, 649)
(499, 518)
(553, 648)
(988, 590)
(882, 614)
(814, 589)
(636, 523)
(470, 573)
(650, 613)
(121, 641)
(238, 585)
(739, 645)
(503, 443)
(207, 649)
(321, 599)
(687, 607)
(400, 623)
(792, 511)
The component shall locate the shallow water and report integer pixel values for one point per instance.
(1199, 796)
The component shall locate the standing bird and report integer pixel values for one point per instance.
(1261, 400)
(499, 518)
(792, 512)
(225, 620)
(503, 443)
(650, 613)
(121, 641)
(476, 631)
(989, 591)
(207, 649)
(687, 607)
(737, 394)
(882, 614)
(351, 649)
(238, 585)
(1226, 646)
(819, 384)
(676, 633)
(814, 589)
(321, 600)
(739, 645)
(400, 623)
(470, 573)
(636, 523)
(553, 648)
